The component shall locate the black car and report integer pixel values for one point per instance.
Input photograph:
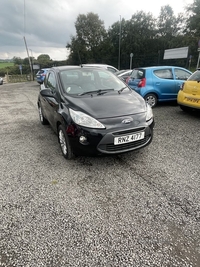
(93, 112)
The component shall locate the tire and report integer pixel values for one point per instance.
(43, 120)
(64, 143)
(186, 109)
(151, 99)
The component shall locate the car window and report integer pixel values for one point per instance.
(195, 76)
(51, 82)
(163, 73)
(76, 82)
(181, 74)
(40, 72)
(138, 74)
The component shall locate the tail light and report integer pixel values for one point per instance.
(142, 82)
(43, 74)
(127, 79)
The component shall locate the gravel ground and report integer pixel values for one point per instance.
(137, 209)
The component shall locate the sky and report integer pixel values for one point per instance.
(46, 26)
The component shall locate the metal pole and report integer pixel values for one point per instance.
(119, 43)
(28, 57)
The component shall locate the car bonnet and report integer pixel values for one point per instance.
(108, 105)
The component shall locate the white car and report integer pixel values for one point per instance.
(1, 80)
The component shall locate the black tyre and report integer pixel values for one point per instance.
(64, 143)
(151, 99)
(43, 120)
(186, 109)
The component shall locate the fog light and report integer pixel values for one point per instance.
(82, 139)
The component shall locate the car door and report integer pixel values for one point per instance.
(51, 103)
(164, 83)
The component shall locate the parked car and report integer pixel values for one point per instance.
(160, 83)
(189, 94)
(40, 75)
(1, 80)
(104, 66)
(123, 74)
(80, 105)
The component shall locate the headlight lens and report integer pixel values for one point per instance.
(85, 120)
(149, 114)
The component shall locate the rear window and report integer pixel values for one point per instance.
(195, 76)
(40, 71)
(138, 74)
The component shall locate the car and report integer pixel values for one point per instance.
(123, 74)
(40, 75)
(158, 83)
(1, 80)
(93, 112)
(189, 94)
(104, 66)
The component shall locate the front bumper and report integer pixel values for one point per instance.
(102, 141)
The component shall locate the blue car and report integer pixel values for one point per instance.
(160, 83)
(40, 75)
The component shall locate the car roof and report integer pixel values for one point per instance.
(160, 67)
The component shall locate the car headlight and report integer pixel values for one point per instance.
(149, 114)
(85, 120)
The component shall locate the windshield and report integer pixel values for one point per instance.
(81, 81)
(195, 76)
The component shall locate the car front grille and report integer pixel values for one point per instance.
(111, 148)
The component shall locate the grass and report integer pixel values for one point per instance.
(6, 64)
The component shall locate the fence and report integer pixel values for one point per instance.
(18, 78)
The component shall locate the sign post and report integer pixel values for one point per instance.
(131, 59)
(20, 68)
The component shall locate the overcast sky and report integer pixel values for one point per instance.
(48, 24)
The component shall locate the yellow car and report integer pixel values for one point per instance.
(189, 94)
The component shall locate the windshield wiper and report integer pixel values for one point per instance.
(98, 92)
(122, 89)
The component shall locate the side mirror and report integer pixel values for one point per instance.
(46, 93)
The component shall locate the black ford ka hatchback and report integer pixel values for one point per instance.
(93, 112)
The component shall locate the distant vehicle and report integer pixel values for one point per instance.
(40, 75)
(189, 95)
(1, 80)
(93, 112)
(123, 74)
(156, 84)
(105, 66)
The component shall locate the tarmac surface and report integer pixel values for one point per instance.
(137, 209)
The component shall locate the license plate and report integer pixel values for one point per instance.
(128, 138)
(193, 100)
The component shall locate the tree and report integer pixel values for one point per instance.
(90, 35)
(17, 60)
(44, 61)
(193, 21)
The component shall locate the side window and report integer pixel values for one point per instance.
(51, 82)
(164, 73)
(181, 74)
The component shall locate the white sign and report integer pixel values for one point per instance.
(176, 53)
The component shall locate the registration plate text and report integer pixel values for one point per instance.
(129, 138)
(193, 100)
